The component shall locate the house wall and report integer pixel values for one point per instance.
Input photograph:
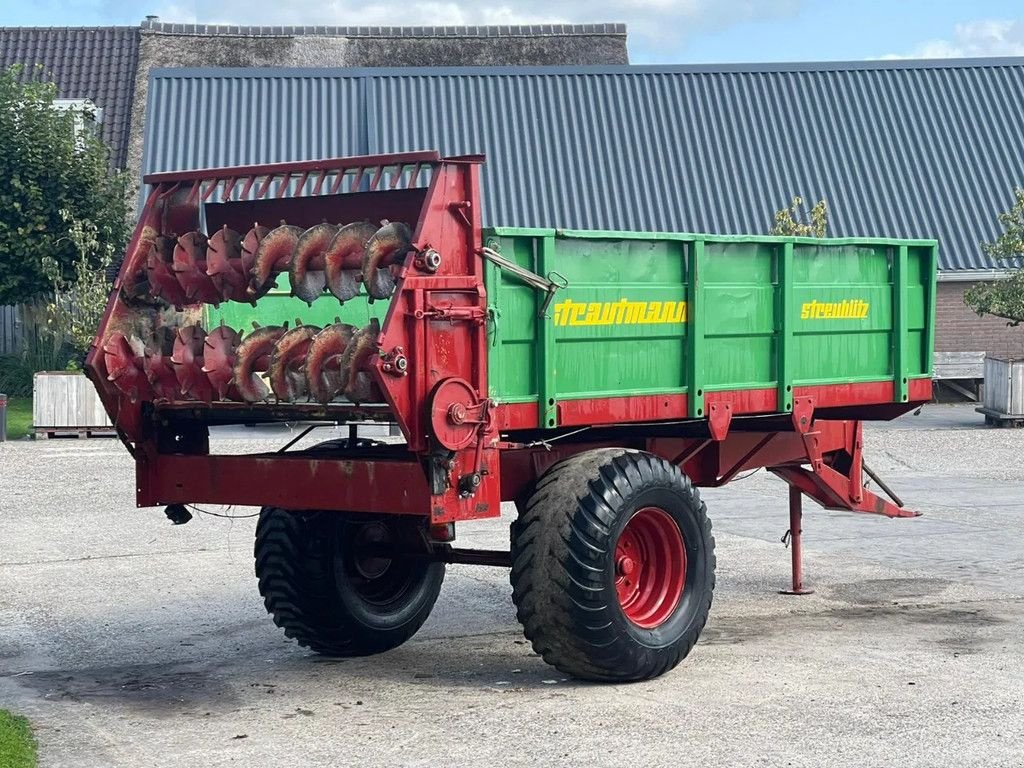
(959, 329)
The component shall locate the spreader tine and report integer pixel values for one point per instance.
(250, 243)
(157, 363)
(324, 375)
(306, 270)
(343, 260)
(189, 266)
(123, 361)
(162, 280)
(224, 265)
(187, 360)
(286, 371)
(219, 354)
(388, 246)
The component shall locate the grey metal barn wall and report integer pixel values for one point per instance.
(905, 149)
(201, 122)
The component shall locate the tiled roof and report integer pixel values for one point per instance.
(531, 30)
(96, 63)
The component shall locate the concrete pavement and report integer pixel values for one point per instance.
(130, 642)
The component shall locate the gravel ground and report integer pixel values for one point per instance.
(130, 642)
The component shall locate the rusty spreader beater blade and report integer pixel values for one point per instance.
(272, 256)
(253, 358)
(343, 260)
(224, 265)
(324, 374)
(359, 387)
(219, 354)
(306, 270)
(387, 246)
(287, 363)
(187, 360)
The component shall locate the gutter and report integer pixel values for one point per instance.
(973, 275)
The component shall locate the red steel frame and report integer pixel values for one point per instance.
(437, 322)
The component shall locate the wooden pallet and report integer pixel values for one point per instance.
(996, 419)
(52, 433)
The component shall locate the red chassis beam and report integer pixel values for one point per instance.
(291, 481)
(823, 459)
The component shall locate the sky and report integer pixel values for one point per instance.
(660, 31)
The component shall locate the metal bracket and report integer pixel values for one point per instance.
(459, 208)
(548, 284)
(803, 413)
(719, 419)
(451, 313)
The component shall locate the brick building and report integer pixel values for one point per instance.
(110, 65)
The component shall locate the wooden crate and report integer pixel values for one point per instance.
(66, 403)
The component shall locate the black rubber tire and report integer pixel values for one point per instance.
(305, 564)
(563, 574)
(340, 444)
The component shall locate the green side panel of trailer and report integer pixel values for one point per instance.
(665, 313)
(279, 306)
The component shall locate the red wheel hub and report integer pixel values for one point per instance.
(650, 567)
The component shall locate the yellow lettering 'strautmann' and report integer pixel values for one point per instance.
(621, 312)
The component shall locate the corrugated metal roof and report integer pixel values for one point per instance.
(899, 149)
(95, 63)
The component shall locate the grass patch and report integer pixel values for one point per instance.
(17, 745)
(19, 419)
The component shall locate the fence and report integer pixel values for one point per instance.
(23, 330)
(10, 330)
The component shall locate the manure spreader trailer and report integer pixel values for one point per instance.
(594, 378)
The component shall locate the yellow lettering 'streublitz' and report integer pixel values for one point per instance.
(847, 309)
(621, 312)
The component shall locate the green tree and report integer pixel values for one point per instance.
(62, 208)
(76, 305)
(1004, 298)
(795, 220)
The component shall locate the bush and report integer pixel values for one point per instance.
(60, 199)
(41, 351)
(16, 376)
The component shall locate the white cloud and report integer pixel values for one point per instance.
(987, 37)
(662, 24)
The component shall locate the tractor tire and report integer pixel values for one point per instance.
(613, 566)
(332, 599)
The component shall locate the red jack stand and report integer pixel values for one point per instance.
(796, 543)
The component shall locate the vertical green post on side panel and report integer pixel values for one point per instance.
(492, 279)
(695, 333)
(547, 402)
(784, 363)
(899, 324)
(933, 303)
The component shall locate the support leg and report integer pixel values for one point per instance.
(796, 543)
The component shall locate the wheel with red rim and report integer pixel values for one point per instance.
(613, 565)
(650, 567)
